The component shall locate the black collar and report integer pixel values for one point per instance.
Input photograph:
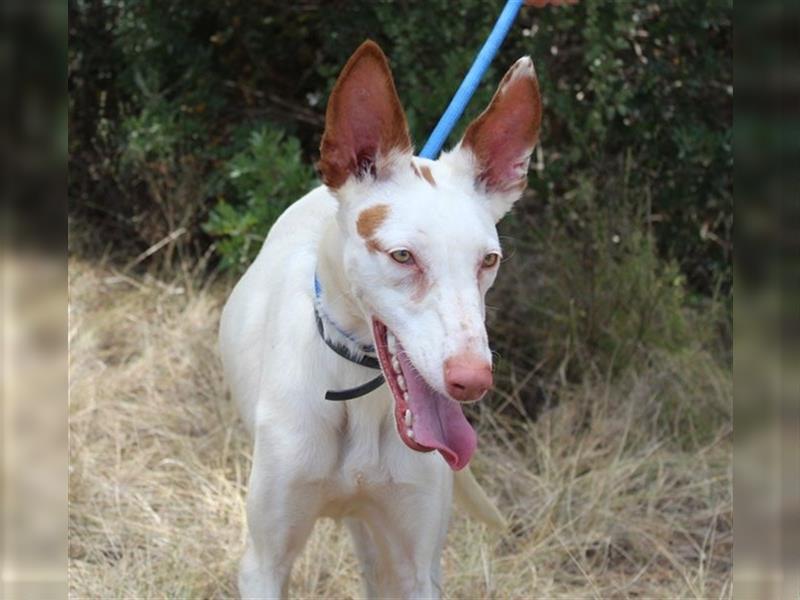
(365, 361)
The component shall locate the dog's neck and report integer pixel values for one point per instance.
(336, 300)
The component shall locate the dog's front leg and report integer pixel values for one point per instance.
(374, 574)
(409, 532)
(426, 537)
(282, 506)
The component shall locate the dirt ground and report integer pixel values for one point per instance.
(622, 490)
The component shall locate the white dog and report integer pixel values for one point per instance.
(385, 267)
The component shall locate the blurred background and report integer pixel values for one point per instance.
(608, 440)
(33, 297)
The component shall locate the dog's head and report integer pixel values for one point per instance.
(420, 244)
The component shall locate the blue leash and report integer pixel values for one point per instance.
(471, 81)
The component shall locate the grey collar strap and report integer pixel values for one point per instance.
(364, 360)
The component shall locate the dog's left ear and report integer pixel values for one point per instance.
(364, 123)
(496, 147)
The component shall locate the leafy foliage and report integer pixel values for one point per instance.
(205, 118)
(594, 306)
(648, 80)
(267, 176)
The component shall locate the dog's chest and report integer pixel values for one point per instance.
(374, 465)
(367, 447)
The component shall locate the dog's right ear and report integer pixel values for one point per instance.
(364, 123)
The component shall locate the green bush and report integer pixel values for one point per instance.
(159, 154)
(585, 292)
(205, 118)
(638, 78)
(264, 178)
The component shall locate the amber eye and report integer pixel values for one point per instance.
(490, 260)
(404, 257)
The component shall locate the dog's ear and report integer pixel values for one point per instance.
(497, 146)
(364, 123)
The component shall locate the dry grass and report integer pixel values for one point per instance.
(622, 490)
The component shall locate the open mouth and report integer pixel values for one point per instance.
(426, 419)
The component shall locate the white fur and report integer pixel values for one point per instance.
(315, 458)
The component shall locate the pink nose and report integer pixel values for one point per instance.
(467, 377)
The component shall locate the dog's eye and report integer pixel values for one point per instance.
(404, 257)
(490, 260)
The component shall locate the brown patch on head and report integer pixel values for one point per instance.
(370, 219)
(373, 246)
(426, 173)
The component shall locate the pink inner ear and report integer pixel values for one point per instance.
(503, 136)
(364, 118)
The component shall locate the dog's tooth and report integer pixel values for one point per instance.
(401, 382)
(405, 396)
(408, 418)
(410, 433)
(395, 364)
(391, 342)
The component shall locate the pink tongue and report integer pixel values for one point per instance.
(439, 422)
